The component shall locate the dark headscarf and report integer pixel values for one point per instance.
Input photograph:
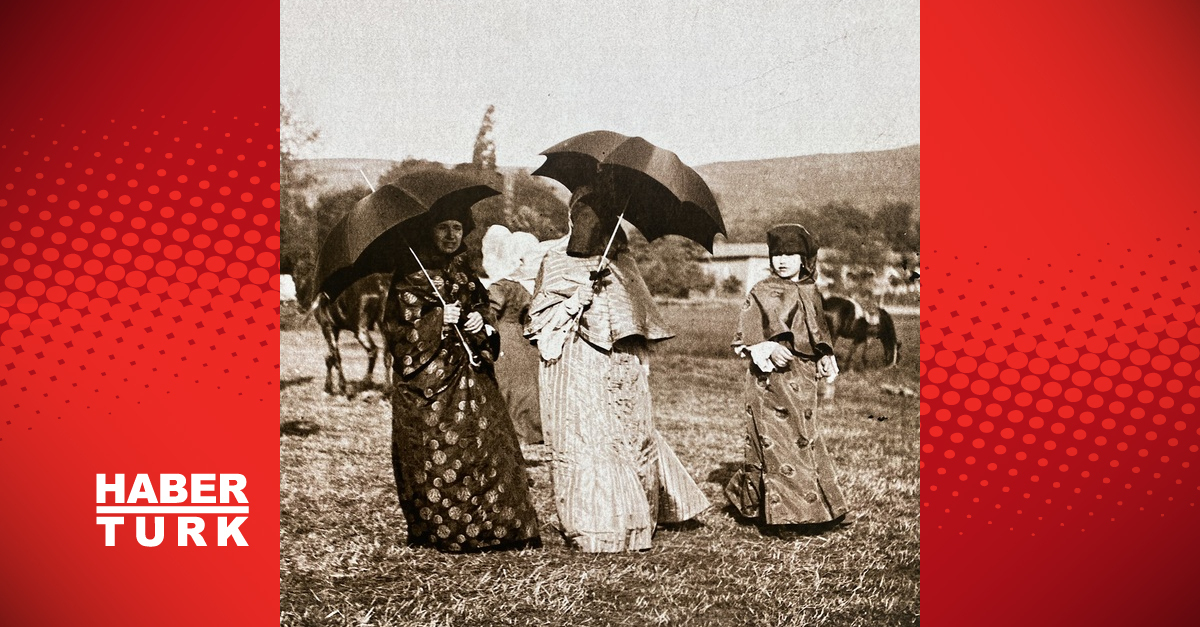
(423, 242)
(592, 228)
(793, 239)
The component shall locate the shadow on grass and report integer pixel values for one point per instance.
(691, 524)
(369, 385)
(723, 473)
(785, 532)
(732, 512)
(299, 428)
(287, 383)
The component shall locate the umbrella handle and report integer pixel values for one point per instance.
(470, 355)
(612, 237)
(578, 323)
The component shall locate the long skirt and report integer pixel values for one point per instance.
(459, 471)
(787, 476)
(517, 374)
(614, 475)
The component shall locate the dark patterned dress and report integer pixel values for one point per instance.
(459, 471)
(787, 476)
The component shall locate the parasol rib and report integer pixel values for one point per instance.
(369, 185)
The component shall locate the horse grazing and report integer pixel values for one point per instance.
(847, 319)
(358, 310)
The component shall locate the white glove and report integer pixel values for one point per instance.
(827, 367)
(550, 344)
(761, 353)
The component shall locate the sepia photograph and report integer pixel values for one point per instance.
(599, 313)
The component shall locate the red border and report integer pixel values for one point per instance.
(139, 305)
(1060, 147)
(1059, 329)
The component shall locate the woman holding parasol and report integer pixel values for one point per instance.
(459, 472)
(593, 320)
(458, 466)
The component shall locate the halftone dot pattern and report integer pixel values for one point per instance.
(1061, 397)
(138, 255)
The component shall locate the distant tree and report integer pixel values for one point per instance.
(297, 220)
(894, 221)
(671, 266)
(294, 135)
(329, 208)
(733, 286)
(407, 166)
(525, 204)
(484, 154)
(843, 226)
(533, 206)
(333, 206)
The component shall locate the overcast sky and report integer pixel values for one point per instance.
(711, 80)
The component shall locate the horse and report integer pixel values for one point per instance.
(846, 318)
(359, 310)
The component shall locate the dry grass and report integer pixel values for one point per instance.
(344, 560)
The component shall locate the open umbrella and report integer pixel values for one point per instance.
(373, 236)
(659, 194)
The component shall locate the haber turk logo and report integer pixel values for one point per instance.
(200, 505)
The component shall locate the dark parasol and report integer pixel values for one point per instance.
(376, 235)
(651, 187)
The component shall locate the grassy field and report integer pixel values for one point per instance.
(344, 560)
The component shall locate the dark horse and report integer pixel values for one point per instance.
(847, 319)
(358, 310)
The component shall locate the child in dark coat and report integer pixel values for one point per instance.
(788, 477)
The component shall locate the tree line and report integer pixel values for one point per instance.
(670, 265)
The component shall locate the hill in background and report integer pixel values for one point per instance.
(335, 175)
(755, 194)
(752, 194)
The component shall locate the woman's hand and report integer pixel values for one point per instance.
(781, 356)
(474, 322)
(585, 294)
(827, 367)
(763, 355)
(451, 313)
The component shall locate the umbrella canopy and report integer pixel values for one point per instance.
(375, 236)
(664, 195)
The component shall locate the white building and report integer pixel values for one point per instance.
(750, 263)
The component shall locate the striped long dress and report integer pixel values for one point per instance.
(615, 477)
